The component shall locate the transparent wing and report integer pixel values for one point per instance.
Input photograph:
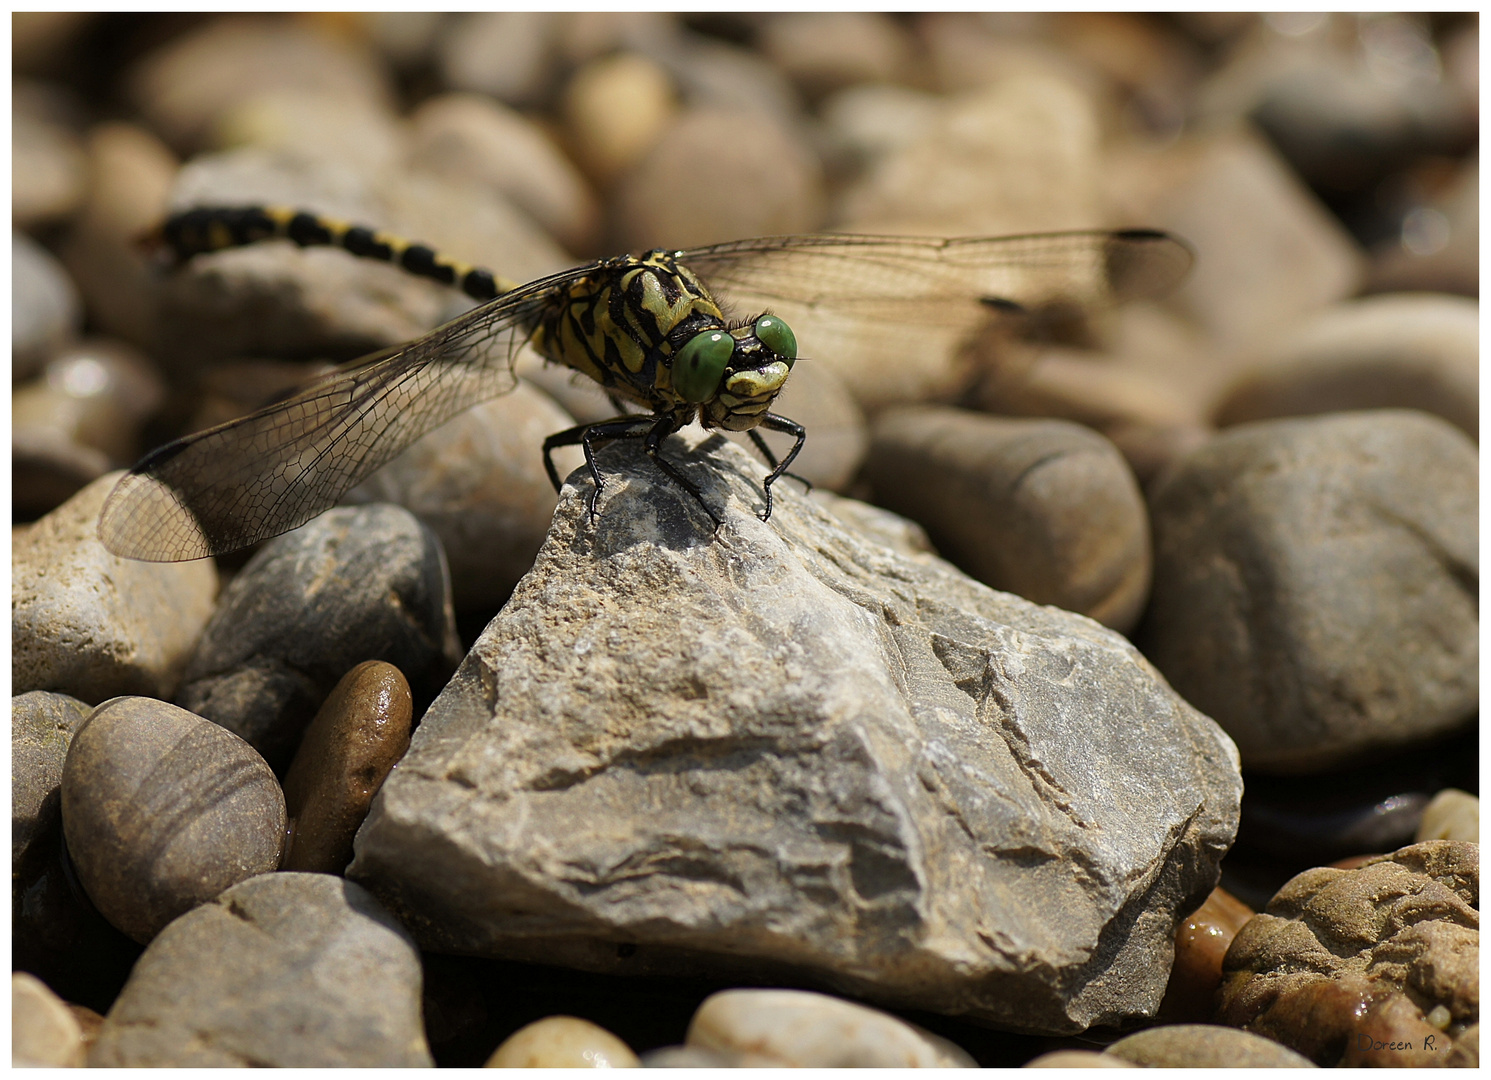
(926, 281)
(894, 316)
(263, 474)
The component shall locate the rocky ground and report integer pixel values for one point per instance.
(1110, 700)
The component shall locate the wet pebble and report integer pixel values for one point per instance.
(1400, 352)
(1045, 509)
(1451, 815)
(41, 729)
(614, 109)
(44, 307)
(131, 172)
(1360, 967)
(478, 482)
(357, 583)
(357, 736)
(562, 1042)
(44, 1032)
(1287, 539)
(1204, 1046)
(693, 188)
(800, 1029)
(163, 810)
(1200, 944)
(93, 625)
(470, 136)
(282, 970)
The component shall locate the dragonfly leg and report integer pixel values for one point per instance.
(585, 436)
(773, 422)
(771, 459)
(664, 427)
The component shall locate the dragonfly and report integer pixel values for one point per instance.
(656, 331)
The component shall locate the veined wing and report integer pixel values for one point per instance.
(266, 473)
(928, 281)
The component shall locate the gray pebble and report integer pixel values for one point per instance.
(44, 306)
(90, 624)
(1274, 256)
(48, 169)
(164, 810)
(183, 87)
(1205, 1046)
(466, 135)
(41, 728)
(1380, 352)
(694, 188)
(1314, 591)
(282, 970)
(508, 55)
(1044, 509)
(357, 583)
(132, 173)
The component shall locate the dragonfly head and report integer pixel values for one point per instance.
(735, 375)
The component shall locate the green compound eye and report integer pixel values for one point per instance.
(777, 336)
(701, 364)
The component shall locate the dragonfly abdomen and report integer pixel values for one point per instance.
(216, 228)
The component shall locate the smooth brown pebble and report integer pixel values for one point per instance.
(359, 734)
(43, 1031)
(163, 810)
(1200, 944)
(562, 1042)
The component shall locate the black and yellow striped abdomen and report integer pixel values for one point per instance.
(209, 229)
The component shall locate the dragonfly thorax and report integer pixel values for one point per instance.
(647, 329)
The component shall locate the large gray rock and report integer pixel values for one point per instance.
(283, 970)
(1315, 585)
(783, 753)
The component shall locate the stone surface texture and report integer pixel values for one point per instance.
(784, 752)
(41, 729)
(1204, 1046)
(799, 1029)
(44, 1033)
(357, 583)
(87, 623)
(1313, 593)
(283, 970)
(1360, 967)
(358, 735)
(1200, 945)
(163, 810)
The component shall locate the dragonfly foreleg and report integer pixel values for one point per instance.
(773, 422)
(771, 459)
